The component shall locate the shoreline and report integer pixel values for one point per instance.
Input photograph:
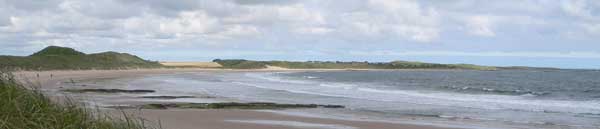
(269, 68)
(219, 118)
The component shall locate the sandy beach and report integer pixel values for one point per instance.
(299, 64)
(204, 118)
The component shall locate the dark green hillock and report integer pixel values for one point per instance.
(63, 58)
(58, 51)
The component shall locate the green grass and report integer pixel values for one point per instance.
(241, 64)
(248, 64)
(56, 50)
(62, 58)
(23, 108)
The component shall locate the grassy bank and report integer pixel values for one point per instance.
(63, 58)
(249, 64)
(22, 108)
(240, 64)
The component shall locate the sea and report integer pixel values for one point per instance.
(455, 98)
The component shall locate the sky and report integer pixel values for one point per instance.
(546, 33)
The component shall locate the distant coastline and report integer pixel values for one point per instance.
(63, 58)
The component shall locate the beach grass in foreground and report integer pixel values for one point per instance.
(24, 108)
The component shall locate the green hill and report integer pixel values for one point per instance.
(248, 64)
(240, 64)
(62, 58)
(58, 51)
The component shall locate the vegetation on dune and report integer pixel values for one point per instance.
(247, 64)
(421, 65)
(241, 64)
(62, 58)
(58, 51)
(22, 108)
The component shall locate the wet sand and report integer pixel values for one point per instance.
(207, 119)
(245, 119)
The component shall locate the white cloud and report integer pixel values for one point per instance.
(349, 24)
(592, 29)
(481, 26)
(578, 8)
(299, 13)
(236, 31)
(197, 22)
(578, 54)
(382, 19)
(314, 30)
(408, 19)
(107, 9)
(4, 17)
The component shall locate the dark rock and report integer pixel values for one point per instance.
(108, 91)
(166, 97)
(236, 105)
(332, 106)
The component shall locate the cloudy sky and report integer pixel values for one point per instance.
(556, 33)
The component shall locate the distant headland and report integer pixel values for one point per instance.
(64, 58)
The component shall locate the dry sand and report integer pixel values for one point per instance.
(208, 119)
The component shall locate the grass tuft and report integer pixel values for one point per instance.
(23, 108)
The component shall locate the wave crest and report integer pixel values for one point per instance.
(494, 91)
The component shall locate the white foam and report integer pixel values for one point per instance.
(488, 101)
(339, 85)
(494, 101)
(311, 77)
(274, 78)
